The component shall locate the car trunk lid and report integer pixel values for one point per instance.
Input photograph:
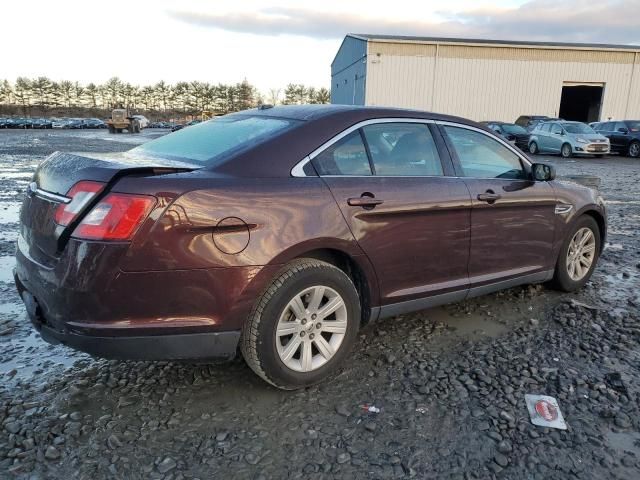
(43, 238)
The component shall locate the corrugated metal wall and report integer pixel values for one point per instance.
(497, 83)
(348, 72)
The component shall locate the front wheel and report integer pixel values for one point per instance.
(634, 149)
(303, 326)
(533, 148)
(578, 255)
(566, 151)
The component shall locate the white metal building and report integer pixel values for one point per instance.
(489, 80)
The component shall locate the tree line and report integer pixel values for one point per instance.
(42, 95)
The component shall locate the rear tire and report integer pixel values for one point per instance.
(291, 352)
(570, 279)
(533, 148)
(634, 149)
(566, 150)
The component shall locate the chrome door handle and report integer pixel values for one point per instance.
(364, 202)
(489, 196)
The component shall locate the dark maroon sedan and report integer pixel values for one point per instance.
(282, 230)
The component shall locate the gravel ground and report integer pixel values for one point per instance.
(449, 382)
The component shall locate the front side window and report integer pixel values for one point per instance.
(633, 126)
(345, 157)
(481, 156)
(618, 126)
(556, 129)
(402, 149)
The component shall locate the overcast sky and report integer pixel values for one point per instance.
(269, 42)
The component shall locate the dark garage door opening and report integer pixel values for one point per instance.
(581, 103)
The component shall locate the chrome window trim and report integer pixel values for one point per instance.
(298, 169)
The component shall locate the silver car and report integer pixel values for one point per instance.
(567, 138)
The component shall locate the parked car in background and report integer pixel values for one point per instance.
(300, 224)
(3, 122)
(180, 126)
(624, 136)
(75, 123)
(60, 123)
(41, 123)
(22, 123)
(511, 132)
(144, 121)
(529, 122)
(93, 123)
(567, 139)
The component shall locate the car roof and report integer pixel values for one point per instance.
(314, 112)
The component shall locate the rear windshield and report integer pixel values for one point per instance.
(209, 141)
(578, 128)
(514, 129)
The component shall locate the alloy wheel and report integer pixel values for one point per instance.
(581, 253)
(311, 328)
(566, 150)
(634, 150)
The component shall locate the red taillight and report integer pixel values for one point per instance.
(81, 194)
(116, 217)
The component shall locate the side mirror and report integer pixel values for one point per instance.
(543, 172)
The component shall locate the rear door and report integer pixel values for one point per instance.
(405, 207)
(512, 218)
(542, 132)
(555, 138)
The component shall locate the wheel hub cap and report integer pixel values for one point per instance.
(581, 253)
(311, 328)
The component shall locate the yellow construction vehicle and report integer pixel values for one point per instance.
(120, 120)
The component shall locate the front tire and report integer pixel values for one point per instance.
(303, 326)
(533, 148)
(634, 149)
(566, 151)
(578, 255)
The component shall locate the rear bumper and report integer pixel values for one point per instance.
(159, 346)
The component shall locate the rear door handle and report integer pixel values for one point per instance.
(364, 202)
(489, 197)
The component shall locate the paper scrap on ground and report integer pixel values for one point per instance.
(545, 412)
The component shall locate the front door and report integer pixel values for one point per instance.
(619, 137)
(411, 220)
(512, 218)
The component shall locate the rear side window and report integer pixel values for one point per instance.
(402, 149)
(212, 140)
(347, 156)
(483, 157)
